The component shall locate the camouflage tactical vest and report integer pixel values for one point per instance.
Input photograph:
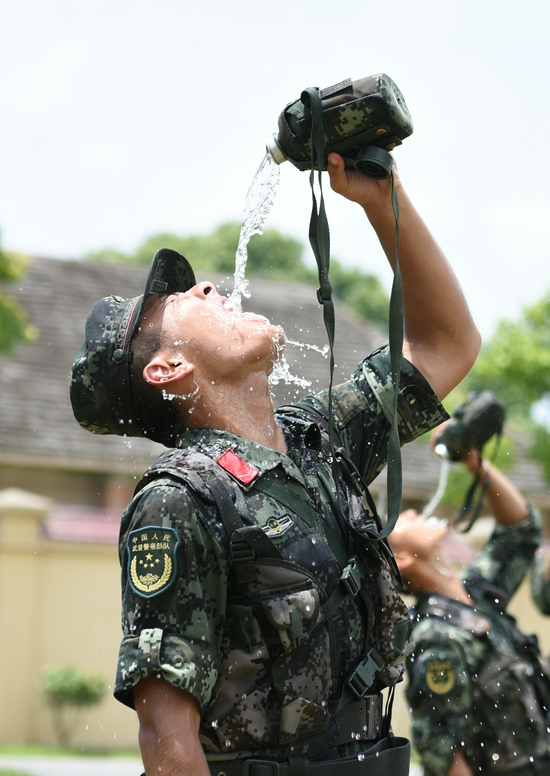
(286, 613)
(509, 684)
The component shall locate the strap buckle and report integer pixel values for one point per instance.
(241, 551)
(352, 577)
(249, 768)
(296, 630)
(362, 677)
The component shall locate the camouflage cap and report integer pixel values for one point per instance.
(101, 394)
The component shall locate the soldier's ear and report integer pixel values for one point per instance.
(161, 370)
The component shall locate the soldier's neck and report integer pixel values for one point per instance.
(427, 577)
(247, 412)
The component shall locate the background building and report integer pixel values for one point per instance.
(62, 489)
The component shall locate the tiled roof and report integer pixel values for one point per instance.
(36, 421)
(78, 524)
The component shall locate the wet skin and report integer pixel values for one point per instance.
(200, 326)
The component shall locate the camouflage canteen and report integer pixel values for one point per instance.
(368, 112)
(100, 390)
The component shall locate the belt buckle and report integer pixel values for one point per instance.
(248, 765)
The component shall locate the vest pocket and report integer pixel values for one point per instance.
(294, 616)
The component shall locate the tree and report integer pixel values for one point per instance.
(13, 318)
(516, 361)
(67, 691)
(271, 255)
(515, 365)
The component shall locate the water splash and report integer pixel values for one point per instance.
(281, 372)
(304, 345)
(258, 203)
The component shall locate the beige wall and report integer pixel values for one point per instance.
(59, 606)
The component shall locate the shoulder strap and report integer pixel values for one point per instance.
(272, 487)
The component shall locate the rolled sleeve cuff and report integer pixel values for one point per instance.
(418, 406)
(181, 661)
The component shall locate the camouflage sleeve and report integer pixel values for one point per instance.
(439, 692)
(174, 582)
(506, 557)
(363, 409)
(540, 585)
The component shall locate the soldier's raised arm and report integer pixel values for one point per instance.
(440, 336)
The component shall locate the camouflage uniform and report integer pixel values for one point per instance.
(475, 681)
(250, 650)
(540, 586)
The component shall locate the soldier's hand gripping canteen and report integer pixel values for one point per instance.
(363, 121)
(471, 426)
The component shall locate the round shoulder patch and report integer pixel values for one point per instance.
(152, 559)
(440, 675)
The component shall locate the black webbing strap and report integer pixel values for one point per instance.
(226, 507)
(319, 237)
(388, 757)
(394, 478)
(470, 510)
(275, 489)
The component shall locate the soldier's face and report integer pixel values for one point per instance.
(216, 339)
(417, 536)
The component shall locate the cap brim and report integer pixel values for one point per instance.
(170, 273)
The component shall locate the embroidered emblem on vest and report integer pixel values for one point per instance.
(277, 526)
(242, 471)
(152, 559)
(440, 676)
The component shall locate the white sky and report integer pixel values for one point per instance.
(122, 118)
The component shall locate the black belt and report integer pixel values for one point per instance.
(388, 757)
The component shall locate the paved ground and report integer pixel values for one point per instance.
(72, 766)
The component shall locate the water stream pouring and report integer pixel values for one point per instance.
(362, 121)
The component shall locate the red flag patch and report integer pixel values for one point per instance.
(237, 467)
